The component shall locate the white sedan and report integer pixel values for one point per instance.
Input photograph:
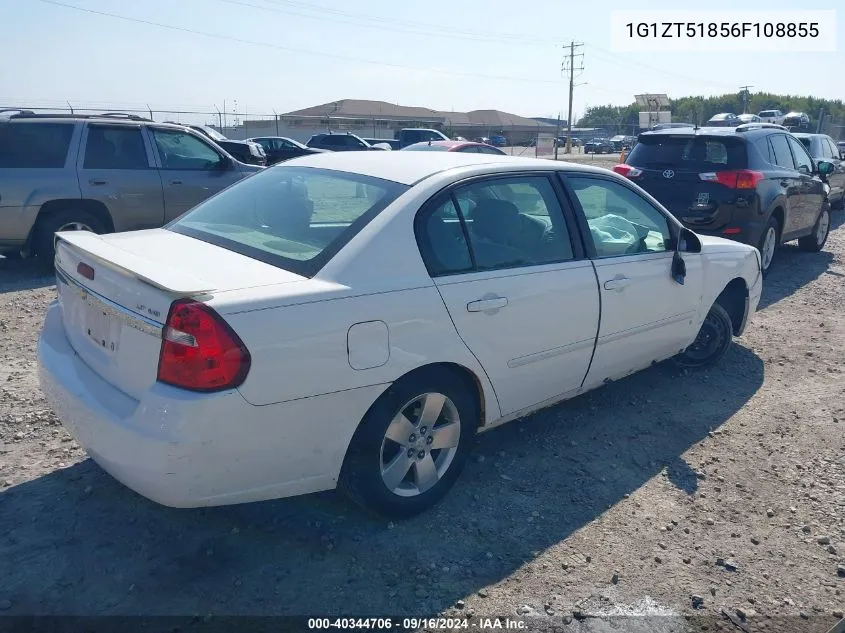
(354, 318)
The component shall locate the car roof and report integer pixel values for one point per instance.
(409, 168)
(94, 119)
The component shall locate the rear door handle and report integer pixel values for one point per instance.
(616, 284)
(98, 181)
(483, 305)
(175, 182)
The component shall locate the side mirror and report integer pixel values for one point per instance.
(688, 242)
(825, 167)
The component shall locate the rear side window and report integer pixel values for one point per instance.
(781, 156)
(111, 147)
(34, 145)
(698, 153)
(294, 218)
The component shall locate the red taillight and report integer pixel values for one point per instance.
(734, 179)
(627, 170)
(199, 351)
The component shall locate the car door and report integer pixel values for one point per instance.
(116, 167)
(789, 179)
(836, 180)
(521, 295)
(646, 316)
(811, 186)
(191, 169)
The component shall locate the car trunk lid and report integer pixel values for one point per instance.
(115, 292)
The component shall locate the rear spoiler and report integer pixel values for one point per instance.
(147, 270)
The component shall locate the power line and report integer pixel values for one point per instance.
(625, 60)
(290, 49)
(393, 26)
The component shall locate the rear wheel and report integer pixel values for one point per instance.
(769, 242)
(412, 445)
(69, 220)
(816, 240)
(712, 343)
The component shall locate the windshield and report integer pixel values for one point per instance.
(295, 218)
(214, 134)
(698, 153)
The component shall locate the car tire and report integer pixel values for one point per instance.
(69, 220)
(391, 468)
(815, 242)
(768, 245)
(712, 342)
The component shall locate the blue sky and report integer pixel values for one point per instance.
(443, 54)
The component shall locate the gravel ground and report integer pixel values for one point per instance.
(671, 494)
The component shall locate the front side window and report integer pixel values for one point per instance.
(34, 145)
(182, 150)
(803, 162)
(112, 147)
(295, 218)
(621, 222)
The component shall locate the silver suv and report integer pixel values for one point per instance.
(100, 173)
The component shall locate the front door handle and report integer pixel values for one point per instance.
(483, 305)
(175, 182)
(619, 283)
(97, 181)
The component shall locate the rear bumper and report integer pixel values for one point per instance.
(183, 449)
(750, 231)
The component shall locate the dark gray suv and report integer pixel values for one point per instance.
(100, 173)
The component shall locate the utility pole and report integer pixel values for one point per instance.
(557, 135)
(744, 94)
(569, 65)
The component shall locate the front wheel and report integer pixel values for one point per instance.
(411, 446)
(816, 240)
(712, 343)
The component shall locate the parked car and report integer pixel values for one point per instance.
(410, 135)
(467, 147)
(599, 146)
(481, 139)
(247, 152)
(101, 174)
(797, 121)
(771, 116)
(390, 142)
(340, 143)
(619, 141)
(279, 148)
(749, 118)
(723, 119)
(497, 140)
(841, 146)
(755, 183)
(239, 356)
(823, 148)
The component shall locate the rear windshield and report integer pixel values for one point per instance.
(296, 218)
(805, 141)
(767, 113)
(34, 145)
(700, 153)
